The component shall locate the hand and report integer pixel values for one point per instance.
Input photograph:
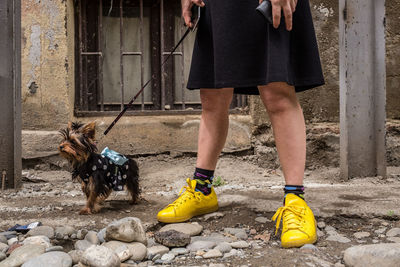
(288, 6)
(187, 10)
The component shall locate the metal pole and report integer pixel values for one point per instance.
(10, 92)
(362, 88)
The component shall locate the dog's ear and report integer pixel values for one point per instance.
(89, 129)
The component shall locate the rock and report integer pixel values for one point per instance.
(12, 248)
(190, 229)
(166, 258)
(380, 230)
(330, 228)
(264, 237)
(54, 248)
(172, 238)
(151, 242)
(82, 245)
(42, 230)
(137, 250)
(75, 255)
(213, 216)
(241, 235)
(321, 225)
(156, 250)
(201, 245)
(338, 238)
(101, 234)
(262, 220)
(38, 240)
(3, 239)
(216, 265)
(128, 229)
(233, 252)
(179, 251)
(394, 239)
(223, 247)
(22, 254)
(2, 255)
(100, 256)
(360, 235)
(91, 236)
(123, 253)
(53, 259)
(62, 231)
(3, 247)
(214, 253)
(320, 233)
(387, 255)
(393, 232)
(239, 244)
(214, 237)
(309, 247)
(9, 234)
(81, 234)
(12, 241)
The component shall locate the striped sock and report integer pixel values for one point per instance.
(204, 180)
(298, 190)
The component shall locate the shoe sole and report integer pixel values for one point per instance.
(186, 218)
(299, 243)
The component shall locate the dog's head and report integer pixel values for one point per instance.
(78, 141)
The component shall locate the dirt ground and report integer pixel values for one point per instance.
(247, 192)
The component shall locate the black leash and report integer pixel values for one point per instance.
(127, 106)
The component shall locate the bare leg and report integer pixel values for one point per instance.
(213, 126)
(288, 125)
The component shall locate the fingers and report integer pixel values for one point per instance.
(276, 14)
(260, 1)
(187, 16)
(293, 4)
(198, 3)
(287, 11)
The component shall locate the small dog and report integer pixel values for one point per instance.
(97, 174)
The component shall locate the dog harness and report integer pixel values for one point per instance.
(99, 165)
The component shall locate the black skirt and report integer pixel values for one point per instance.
(236, 47)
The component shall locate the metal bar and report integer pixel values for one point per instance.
(84, 47)
(3, 180)
(80, 56)
(121, 49)
(100, 47)
(162, 54)
(91, 54)
(141, 49)
(174, 54)
(362, 88)
(132, 53)
(183, 70)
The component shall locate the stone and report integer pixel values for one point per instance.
(22, 254)
(100, 256)
(172, 238)
(233, 252)
(53, 259)
(137, 250)
(264, 236)
(123, 253)
(213, 253)
(336, 237)
(241, 235)
(13, 247)
(38, 240)
(393, 232)
(101, 234)
(320, 233)
(9, 234)
(213, 216)
(12, 241)
(82, 245)
(201, 245)
(76, 256)
(191, 229)
(321, 225)
(262, 220)
(3, 247)
(240, 244)
(168, 257)
(214, 237)
(156, 250)
(394, 239)
(380, 230)
(330, 228)
(179, 251)
(42, 230)
(2, 255)
(81, 234)
(216, 265)
(91, 236)
(224, 247)
(309, 247)
(128, 229)
(360, 235)
(3, 239)
(62, 231)
(387, 255)
(54, 248)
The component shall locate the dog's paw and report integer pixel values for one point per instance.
(85, 211)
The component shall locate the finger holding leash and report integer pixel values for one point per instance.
(187, 10)
(288, 7)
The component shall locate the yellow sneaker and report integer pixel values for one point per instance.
(298, 223)
(189, 204)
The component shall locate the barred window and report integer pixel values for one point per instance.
(120, 44)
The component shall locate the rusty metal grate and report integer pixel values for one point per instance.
(157, 24)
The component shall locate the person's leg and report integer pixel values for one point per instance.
(286, 116)
(199, 197)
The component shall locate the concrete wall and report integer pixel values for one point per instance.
(48, 77)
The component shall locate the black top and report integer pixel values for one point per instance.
(236, 47)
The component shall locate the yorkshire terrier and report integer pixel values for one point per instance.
(97, 174)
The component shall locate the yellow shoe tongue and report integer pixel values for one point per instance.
(292, 199)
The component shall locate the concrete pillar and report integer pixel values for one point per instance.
(10, 92)
(362, 88)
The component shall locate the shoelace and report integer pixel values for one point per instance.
(292, 217)
(185, 195)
